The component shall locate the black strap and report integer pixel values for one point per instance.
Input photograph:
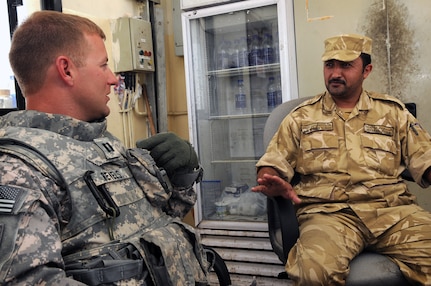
(102, 196)
(38, 158)
(187, 180)
(111, 271)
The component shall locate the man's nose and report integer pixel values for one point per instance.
(112, 80)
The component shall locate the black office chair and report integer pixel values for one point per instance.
(367, 269)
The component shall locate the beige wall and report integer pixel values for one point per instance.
(401, 54)
(175, 78)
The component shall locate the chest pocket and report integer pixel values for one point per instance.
(379, 148)
(319, 148)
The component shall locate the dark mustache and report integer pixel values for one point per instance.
(339, 81)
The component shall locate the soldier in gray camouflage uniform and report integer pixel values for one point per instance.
(76, 207)
(349, 147)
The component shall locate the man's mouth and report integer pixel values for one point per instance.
(337, 82)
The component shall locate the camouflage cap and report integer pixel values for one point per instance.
(346, 47)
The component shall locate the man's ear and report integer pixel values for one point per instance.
(367, 70)
(64, 68)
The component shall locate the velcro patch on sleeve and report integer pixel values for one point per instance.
(8, 198)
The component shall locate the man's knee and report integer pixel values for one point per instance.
(310, 268)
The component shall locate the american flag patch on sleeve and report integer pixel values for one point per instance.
(8, 198)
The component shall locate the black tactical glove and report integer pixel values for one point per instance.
(173, 154)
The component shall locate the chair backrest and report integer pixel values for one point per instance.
(283, 233)
(277, 115)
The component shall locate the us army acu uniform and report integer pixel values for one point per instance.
(351, 191)
(112, 222)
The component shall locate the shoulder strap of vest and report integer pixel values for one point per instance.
(33, 156)
(30, 155)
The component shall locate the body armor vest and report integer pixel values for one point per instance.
(114, 204)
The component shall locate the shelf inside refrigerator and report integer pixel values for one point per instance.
(240, 116)
(245, 71)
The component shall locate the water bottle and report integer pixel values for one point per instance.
(240, 98)
(222, 56)
(12, 91)
(267, 49)
(243, 53)
(275, 51)
(271, 94)
(229, 54)
(234, 62)
(279, 91)
(255, 56)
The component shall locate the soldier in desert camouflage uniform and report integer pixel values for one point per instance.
(349, 147)
(86, 210)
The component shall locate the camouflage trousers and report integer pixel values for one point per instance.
(329, 241)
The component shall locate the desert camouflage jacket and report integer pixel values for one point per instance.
(113, 201)
(351, 159)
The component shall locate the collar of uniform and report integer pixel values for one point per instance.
(328, 104)
(61, 124)
(364, 103)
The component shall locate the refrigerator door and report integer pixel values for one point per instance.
(237, 71)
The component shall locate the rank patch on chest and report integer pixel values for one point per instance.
(105, 145)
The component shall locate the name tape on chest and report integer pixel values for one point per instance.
(103, 177)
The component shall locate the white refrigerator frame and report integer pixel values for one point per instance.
(288, 72)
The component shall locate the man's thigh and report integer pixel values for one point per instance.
(327, 243)
(408, 243)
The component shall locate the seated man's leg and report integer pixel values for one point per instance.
(326, 245)
(408, 243)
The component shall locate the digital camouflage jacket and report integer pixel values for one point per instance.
(112, 222)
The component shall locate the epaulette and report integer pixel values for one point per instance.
(385, 97)
(310, 100)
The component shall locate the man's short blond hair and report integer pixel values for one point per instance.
(41, 38)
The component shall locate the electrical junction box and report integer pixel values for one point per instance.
(132, 45)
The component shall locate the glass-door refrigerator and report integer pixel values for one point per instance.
(240, 64)
(239, 61)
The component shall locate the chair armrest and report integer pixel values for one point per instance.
(282, 219)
